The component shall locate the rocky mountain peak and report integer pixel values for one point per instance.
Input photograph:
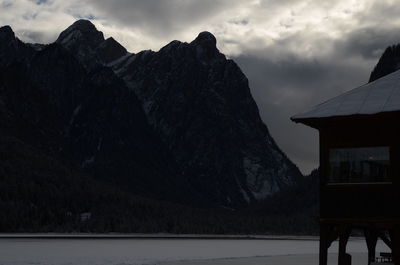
(205, 38)
(84, 25)
(89, 46)
(110, 50)
(6, 33)
(11, 48)
(206, 48)
(81, 32)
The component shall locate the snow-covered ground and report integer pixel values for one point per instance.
(128, 251)
(298, 259)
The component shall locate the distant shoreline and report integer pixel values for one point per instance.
(150, 236)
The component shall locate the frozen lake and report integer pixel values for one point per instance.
(128, 251)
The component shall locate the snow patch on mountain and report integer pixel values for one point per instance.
(119, 60)
(242, 191)
(72, 37)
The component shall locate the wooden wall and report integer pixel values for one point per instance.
(364, 199)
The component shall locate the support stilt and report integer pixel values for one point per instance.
(323, 244)
(371, 237)
(344, 258)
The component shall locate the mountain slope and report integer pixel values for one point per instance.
(201, 105)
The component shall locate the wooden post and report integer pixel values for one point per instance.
(323, 244)
(371, 237)
(344, 258)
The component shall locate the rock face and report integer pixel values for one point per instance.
(178, 124)
(200, 104)
(88, 44)
(12, 49)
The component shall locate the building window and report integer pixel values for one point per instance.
(359, 165)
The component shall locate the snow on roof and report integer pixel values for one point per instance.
(381, 95)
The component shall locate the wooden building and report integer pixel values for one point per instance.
(359, 134)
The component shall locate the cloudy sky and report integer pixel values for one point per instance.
(296, 53)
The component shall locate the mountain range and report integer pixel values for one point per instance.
(178, 125)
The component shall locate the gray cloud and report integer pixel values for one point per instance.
(39, 2)
(31, 36)
(379, 13)
(6, 4)
(368, 42)
(160, 17)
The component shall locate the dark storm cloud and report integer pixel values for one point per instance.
(368, 42)
(288, 83)
(280, 91)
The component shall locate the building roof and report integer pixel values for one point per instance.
(381, 95)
